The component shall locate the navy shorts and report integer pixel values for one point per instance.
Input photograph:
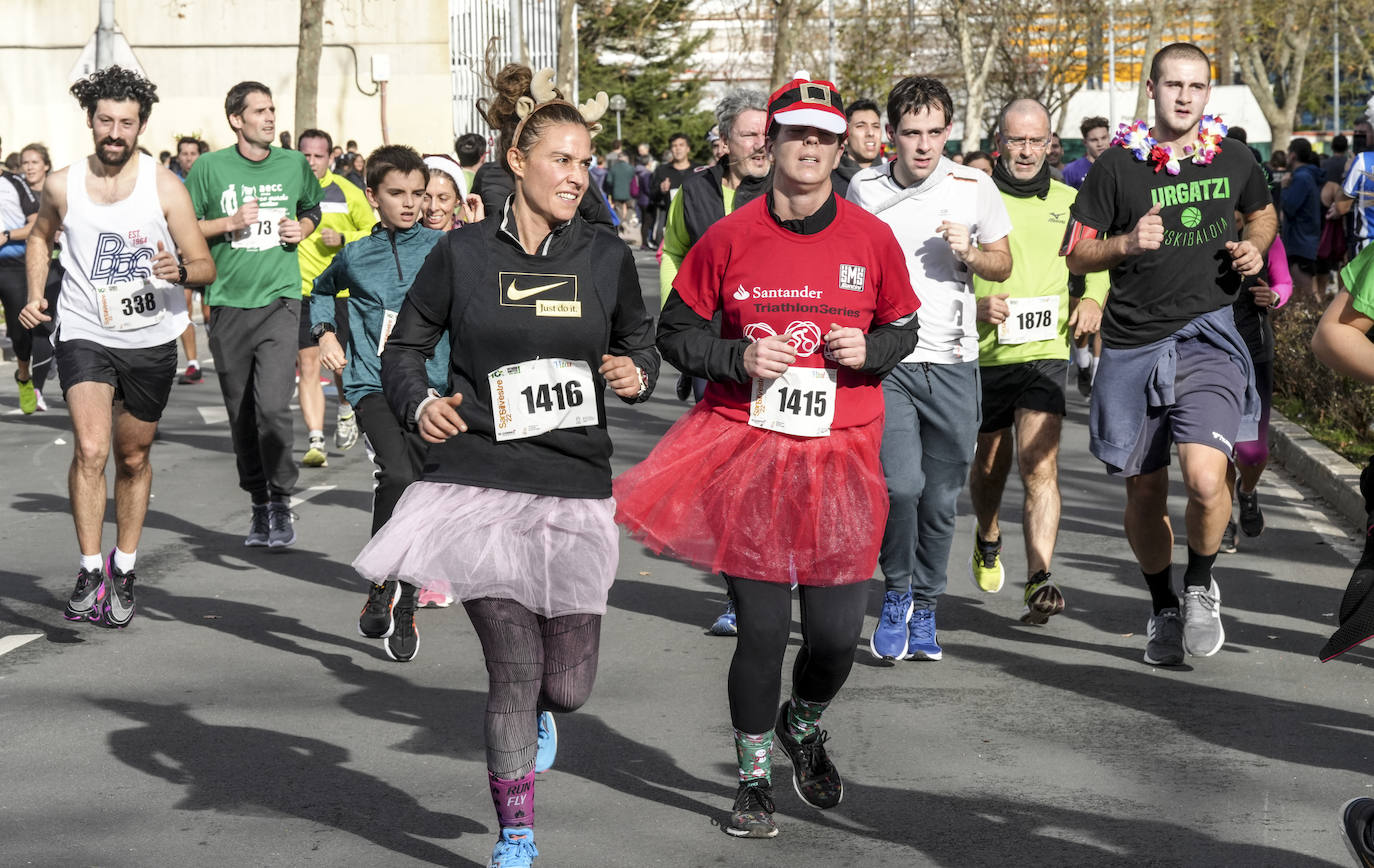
(1036, 385)
(1209, 392)
(142, 378)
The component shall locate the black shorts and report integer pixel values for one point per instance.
(142, 378)
(1303, 264)
(303, 339)
(1037, 385)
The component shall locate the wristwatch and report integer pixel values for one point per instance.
(7, 236)
(181, 275)
(317, 331)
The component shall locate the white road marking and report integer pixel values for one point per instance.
(213, 415)
(9, 643)
(312, 491)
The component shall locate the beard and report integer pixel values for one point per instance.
(130, 148)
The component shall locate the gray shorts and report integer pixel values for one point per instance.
(1209, 392)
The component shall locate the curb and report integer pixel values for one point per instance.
(1336, 480)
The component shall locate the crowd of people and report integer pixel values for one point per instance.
(859, 333)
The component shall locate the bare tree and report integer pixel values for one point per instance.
(973, 25)
(308, 64)
(1153, 40)
(1272, 43)
(567, 48)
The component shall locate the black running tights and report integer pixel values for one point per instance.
(831, 619)
(533, 664)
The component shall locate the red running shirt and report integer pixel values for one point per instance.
(766, 281)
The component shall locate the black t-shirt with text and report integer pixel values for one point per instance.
(1158, 292)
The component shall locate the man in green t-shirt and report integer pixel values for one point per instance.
(1024, 326)
(255, 203)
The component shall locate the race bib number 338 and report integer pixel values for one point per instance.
(801, 402)
(542, 395)
(130, 305)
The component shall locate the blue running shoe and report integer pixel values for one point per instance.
(725, 624)
(890, 637)
(514, 849)
(548, 742)
(922, 645)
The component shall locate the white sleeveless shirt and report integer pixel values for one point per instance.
(109, 294)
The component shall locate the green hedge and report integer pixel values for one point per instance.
(1336, 410)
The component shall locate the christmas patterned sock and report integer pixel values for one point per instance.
(803, 716)
(514, 800)
(755, 754)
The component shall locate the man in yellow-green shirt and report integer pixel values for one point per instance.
(1024, 327)
(345, 216)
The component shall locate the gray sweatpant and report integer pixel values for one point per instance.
(255, 360)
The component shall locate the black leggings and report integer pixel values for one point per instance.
(33, 346)
(533, 664)
(831, 619)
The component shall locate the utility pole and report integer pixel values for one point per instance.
(1111, 64)
(1336, 67)
(104, 35)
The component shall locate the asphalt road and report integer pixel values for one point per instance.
(241, 719)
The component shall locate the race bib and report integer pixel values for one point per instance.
(134, 304)
(542, 395)
(1029, 320)
(262, 234)
(388, 323)
(801, 402)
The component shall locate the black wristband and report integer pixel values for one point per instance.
(181, 274)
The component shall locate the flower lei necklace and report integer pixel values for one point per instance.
(1137, 139)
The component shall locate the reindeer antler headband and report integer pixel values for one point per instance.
(545, 94)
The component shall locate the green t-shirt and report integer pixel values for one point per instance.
(1358, 280)
(253, 267)
(1037, 271)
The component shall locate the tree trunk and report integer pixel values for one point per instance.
(308, 64)
(976, 71)
(567, 49)
(782, 42)
(1295, 37)
(1152, 44)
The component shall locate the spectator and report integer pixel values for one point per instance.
(641, 188)
(1054, 157)
(667, 178)
(189, 150)
(1333, 167)
(1097, 136)
(471, 149)
(1302, 215)
(619, 173)
(1357, 193)
(979, 160)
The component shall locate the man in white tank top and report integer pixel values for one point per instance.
(119, 314)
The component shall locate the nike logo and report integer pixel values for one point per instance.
(517, 294)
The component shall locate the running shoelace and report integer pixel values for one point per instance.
(755, 798)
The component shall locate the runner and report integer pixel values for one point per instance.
(119, 314)
(345, 217)
(740, 176)
(513, 514)
(376, 272)
(445, 205)
(863, 145)
(1174, 369)
(1024, 328)
(1087, 352)
(773, 478)
(951, 222)
(255, 203)
(189, 150)
(18, 211)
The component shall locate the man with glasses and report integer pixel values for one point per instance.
(1023, 354)
(951, 222)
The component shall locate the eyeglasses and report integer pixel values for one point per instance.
(1033, 144)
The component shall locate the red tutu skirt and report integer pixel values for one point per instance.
(728, 497)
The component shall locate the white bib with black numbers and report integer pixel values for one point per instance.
(801, 402)
(262, 234)
(540, 396)
(1030, 320)
(132, 304)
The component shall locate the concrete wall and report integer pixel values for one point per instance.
(195, 50)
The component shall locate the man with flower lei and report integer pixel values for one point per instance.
(1160, 210)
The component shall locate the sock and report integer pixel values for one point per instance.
(1199, 571)
(1082, 356)
(316, 435)
(1162, 595)
(755, 754)
(514, 800)
(803, 717)
(192, 363)
(124, 561)
(345, 409)
(1092, 367)
(90, 563)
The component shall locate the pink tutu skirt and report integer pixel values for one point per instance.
(553, 555)
(727, 497)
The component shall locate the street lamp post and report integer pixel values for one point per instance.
(617, 105)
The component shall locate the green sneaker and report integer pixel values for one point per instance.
(986, 564)
(28, 396)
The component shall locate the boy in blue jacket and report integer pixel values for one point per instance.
(378, 271)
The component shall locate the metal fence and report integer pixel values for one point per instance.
(526, 30)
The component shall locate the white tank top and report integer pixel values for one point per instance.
(109, 294)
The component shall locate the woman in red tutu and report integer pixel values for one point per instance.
(773, 478)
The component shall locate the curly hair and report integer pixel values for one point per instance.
(118, 84)
(510, 84)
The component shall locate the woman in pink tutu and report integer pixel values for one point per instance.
(773, 478)
(513, 512)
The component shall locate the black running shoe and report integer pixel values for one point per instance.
(1085, 382)
(1251, 518)
(85, 601)
(1356, 613)
(814, 776)
(752, 816)
(1357, 820)
(117, 610)
(404, 640)
(1228, 539)
(376, 621)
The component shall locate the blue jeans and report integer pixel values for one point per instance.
(929, 433)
